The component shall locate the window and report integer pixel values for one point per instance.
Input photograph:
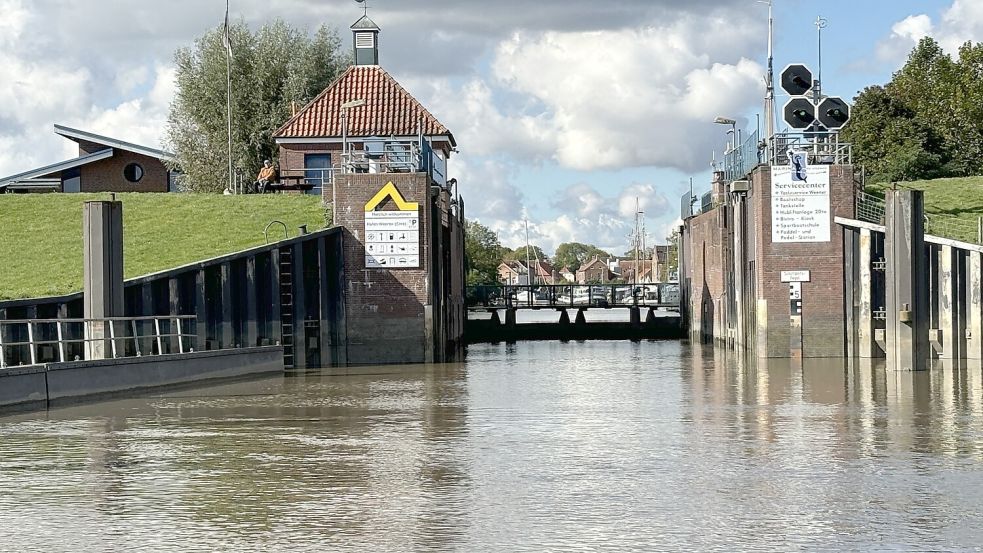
(133, 172)
(317, 171)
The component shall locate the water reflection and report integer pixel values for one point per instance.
(612, 446)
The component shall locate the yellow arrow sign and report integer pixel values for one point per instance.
(389, 191)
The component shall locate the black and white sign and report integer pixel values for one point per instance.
(800, 209)
(392, 239)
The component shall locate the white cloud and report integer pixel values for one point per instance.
(632, 97)
(960, 22)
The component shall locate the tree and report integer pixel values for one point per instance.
(891, 141)
(482, 253)
(574, 254)
(273, 69)
(927, 122)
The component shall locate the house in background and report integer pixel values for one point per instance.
(363, 122)
(594, 271)
(567, 275)
(512, 273)
(103, 164)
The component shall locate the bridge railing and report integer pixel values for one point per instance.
(573, 295)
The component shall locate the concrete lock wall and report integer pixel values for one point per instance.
(44, 385)
(732, 275)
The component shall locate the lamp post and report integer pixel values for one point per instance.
(721, 120)
(733, 126)
(344, 149)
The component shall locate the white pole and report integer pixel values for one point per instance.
(770, 80)
(228, 75)
(528, 262)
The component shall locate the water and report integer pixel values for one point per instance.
(596, 446)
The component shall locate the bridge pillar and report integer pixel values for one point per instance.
(650, 318)
(907, 282)
(635, 315)
(581, 319)
(495, 319)
(510, 317)
(564, 317)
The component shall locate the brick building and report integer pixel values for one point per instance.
(739, 258)
(594, 271)
(380, 158)
(363, 122)
(103, 164)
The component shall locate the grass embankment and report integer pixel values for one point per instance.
(958, 203)
(41, 234)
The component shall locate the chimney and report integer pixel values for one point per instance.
(366, 36)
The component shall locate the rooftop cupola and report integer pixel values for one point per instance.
(366, 35)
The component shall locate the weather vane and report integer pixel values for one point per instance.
(365, 6)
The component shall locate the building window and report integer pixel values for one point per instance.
(317, 172)
(133, 172)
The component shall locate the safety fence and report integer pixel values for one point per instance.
(37, 341)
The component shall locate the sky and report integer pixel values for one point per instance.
(565, 111)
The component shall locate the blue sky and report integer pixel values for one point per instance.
(565, 110)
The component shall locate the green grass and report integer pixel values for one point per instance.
(956, 204)
(41, 234)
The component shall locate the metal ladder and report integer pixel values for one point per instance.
(287, 307)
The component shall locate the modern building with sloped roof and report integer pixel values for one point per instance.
(363, 122)
(104, 164)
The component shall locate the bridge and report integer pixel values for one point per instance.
(661, 300)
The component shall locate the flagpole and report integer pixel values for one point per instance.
(228, 75)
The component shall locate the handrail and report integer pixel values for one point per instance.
(659, 294)
(94, 331)
(266, 231)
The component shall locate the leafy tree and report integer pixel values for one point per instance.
(574, 254)
(928, 121)
(273, 69)
(482, 253)
(891, 141)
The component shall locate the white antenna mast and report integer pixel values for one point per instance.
(770, 78)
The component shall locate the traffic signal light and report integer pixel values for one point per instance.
(833, 112)
(797, 79)
(800, 113)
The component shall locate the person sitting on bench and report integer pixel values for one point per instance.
(267, 176)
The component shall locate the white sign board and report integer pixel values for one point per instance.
(800, 208)
(392, 239)
(795, 276)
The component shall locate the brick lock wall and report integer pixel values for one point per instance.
(107, 175)
(705, 272)
(823, 318)
(385, 308)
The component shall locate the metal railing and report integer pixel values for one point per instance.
(573, 295)
(61, 340)
(739, 162)
(871, 209)
(823, 148)
(385, 157)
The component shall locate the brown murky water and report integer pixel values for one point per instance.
(534, 447)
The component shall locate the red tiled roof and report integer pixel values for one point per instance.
(389, 109)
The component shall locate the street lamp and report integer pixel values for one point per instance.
(733, 127)
(344, 152)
